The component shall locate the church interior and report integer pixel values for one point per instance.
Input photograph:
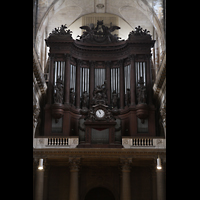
(99, 99)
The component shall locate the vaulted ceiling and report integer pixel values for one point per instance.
(53, 13)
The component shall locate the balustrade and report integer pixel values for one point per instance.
(57, 141)
(142, 142)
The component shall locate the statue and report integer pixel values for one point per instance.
(141, 92)
(114, 99)
(72, 96)
(99, 94)
(128, 97)
(100, 33)
(58, 95)
(85, 99)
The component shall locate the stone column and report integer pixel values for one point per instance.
(161, 190)
(74, 183)
(39, 184)
(126, 182)
(46, 180)
(153, 181)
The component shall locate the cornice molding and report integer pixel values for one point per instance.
(90, 152)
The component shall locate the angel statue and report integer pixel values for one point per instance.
(99, 32)
(90, 30)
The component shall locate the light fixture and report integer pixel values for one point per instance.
(40, 166)
(159, 166)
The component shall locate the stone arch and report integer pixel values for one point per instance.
(105, 185)
(99, 193)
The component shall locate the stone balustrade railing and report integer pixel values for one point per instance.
(55, 142)
(72, 142)
(143, 142)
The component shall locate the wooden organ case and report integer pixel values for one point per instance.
(100, 87)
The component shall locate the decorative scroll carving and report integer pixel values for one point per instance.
(99, 34)
(58, 96)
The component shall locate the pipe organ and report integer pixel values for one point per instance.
(100, 87)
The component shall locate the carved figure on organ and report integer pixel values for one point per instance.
(72, 96)
(141, 91)
(58, 95)
(85, 99)
(114, 99)
(128, 97)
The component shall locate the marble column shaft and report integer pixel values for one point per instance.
(161, 190)
(39, 184)
(126, 182)
(74, 183)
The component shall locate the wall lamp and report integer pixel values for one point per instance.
(40, 166)
(159, 166)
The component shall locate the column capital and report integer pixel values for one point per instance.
(91, 63)
(79, 62)
(125, 164)
(132, 56)
(126, 181)
(107, 63)
(74, 164)
(67, 55)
